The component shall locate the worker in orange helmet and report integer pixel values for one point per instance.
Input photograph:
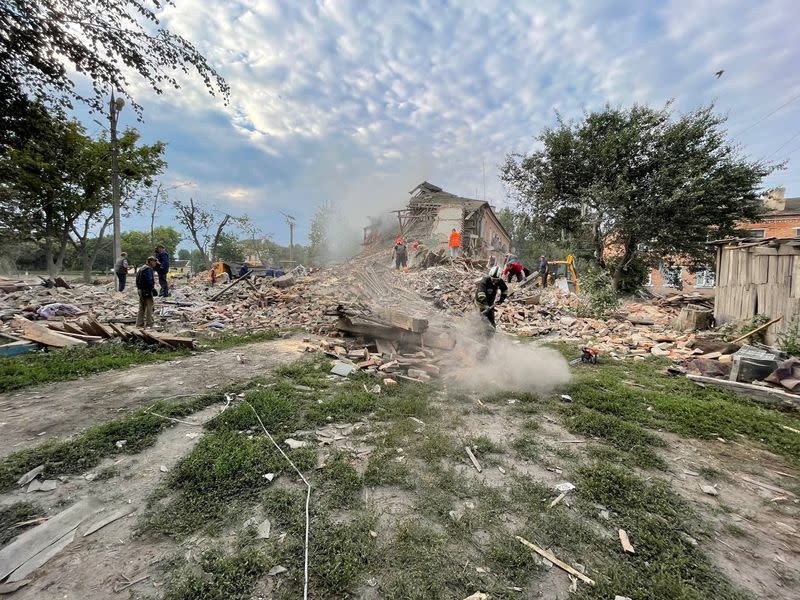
(455, 242)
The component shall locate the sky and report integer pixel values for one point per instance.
(356, 102)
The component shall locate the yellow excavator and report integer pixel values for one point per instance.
(562, 274)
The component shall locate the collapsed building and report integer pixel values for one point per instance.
(432, 214)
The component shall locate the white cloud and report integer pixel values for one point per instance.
(337, 92)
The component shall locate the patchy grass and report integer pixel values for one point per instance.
(340, 482)
(85, 450)
(11, 515)
(221, 577)
(665, 565)
(66, 364)
(631, 438)
(678, 405)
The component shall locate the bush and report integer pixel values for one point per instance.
(601, 298)
(634, 275)
(789, 340)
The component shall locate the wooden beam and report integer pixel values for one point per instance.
(759, 393)
(402, 320)
(551, 557)
(757, 329)
(42, 335)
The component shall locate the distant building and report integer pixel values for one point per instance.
(432, 214)
(782, 220)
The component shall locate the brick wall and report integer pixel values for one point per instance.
(777, 227)
(660, 284)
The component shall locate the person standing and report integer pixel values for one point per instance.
(455, 242)
(162, 256)
(121, 270)
(146, 286)
(543, 270)
(400, 253)
(492, 261)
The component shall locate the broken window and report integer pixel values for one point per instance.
(705, 279)
(755, 233)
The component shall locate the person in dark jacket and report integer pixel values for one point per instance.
(486, 294)
(146, 286)
(543, 270)
(162, 256)
(400, 253)
(244, 269)
(121, 270)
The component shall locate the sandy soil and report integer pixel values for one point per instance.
(55, 410)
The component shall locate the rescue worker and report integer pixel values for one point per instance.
(121, 270)
(514, 269)
(455, 242)
(486, 294)
(543, 270)
(400, 254)
(162, 258)
(146, 286)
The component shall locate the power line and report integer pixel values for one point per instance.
(786, 143)
(766, 116)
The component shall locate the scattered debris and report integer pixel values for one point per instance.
(710, 490)
(626, 542)
(565, 487)
(474, 460)
(549, 556)
(38, 485)
(477, 596)
(277, 570)
(343, 369)
(295, 444)
(30, 476)
(121, 443)
(163, 468)
(263, 530)
(116, 515)
(558, 499)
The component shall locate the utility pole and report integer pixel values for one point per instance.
(291, 223)
(114, 108)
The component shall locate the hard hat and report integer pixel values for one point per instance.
(494, 272)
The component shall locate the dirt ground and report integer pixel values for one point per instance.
(91, 566)
(60, 409)
(754, 532)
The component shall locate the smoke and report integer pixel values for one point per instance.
(483, 362)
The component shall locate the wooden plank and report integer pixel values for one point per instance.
(81, 336)
(402, 320)
(41, 558)
(32, 542)
(118, 514)
(42, 335)
(759, 393)
(771, 488)
(474, 460)
(102, 330)
(757, 329)
(551, 557)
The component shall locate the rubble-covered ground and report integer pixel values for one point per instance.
(175, 457)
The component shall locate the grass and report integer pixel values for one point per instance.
(140, 429)
(221, 578)
(674, 404)
(665, 565)
(224, 472)
(12, 514)
(67, 364)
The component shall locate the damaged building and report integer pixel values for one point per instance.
(432, 214)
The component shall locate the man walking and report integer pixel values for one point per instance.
(163, 268)
(121, 270)
(543, 270)
(455, 242)
(146, 286)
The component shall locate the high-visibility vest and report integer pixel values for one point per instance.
(455, 239)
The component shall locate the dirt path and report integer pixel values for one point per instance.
(30, 416)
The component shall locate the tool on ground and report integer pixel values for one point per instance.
(588, 356)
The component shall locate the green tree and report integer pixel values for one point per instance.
(229, 248)
(43, 43)
(205, 228)
(184, 254)
(319, 235)
(138, 245)
(644, 181)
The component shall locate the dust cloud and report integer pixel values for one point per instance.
(485, 363)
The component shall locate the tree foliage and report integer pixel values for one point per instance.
(204, 226)
(641, 182)
(41, 42)
(139, 244)
(55, 184)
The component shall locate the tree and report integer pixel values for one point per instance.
(42, 42)
(139, 245)
(318, 236)
(229, 248)
(645, 182)
(138, 165)
(204, 230)
(184, 254)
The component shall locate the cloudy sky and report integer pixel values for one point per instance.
(356, 102)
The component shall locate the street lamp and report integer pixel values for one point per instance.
(114, 108)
